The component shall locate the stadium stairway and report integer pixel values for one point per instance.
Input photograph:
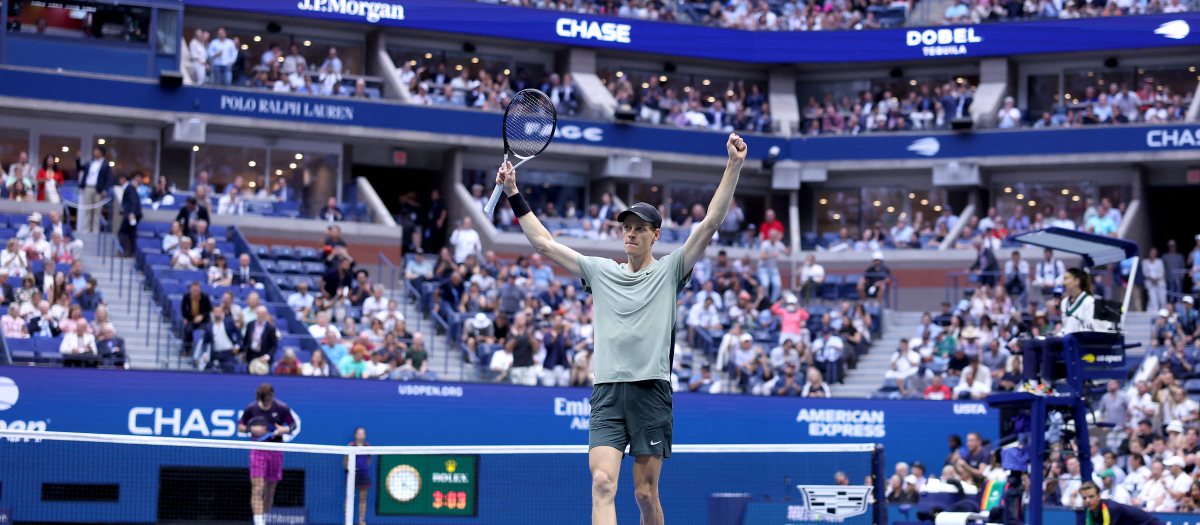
(868, 376)
(122, 310)
(1137, 330)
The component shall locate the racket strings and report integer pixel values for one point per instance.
(529, 124)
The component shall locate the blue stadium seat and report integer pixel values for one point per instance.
(282, 253)
(229, 250)
(163, 228)
(3, 220)
(809, 240)
(147, 229)
(7, 233)
(63, 267)
(270, 266)
(17, 220)
(289, 267)
(295, 280)
(283, 282)
(287, 209)
(47, 349)
(220, 232)
(261, 251)
(149, 244)
(36, 267)
(14, 282)
(314, 268)
(260, 207)
(305, 253)
(849, 287)
(831, 286)
(829, 238)
(22, 350)
(157, 259)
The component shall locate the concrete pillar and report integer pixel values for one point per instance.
(997, 79)
(794, 219)
(451, 175)
(781, 94)
(594, 98)
(380, 64)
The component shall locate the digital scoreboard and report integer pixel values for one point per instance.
(433, 485)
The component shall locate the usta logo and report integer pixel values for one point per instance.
(153, 421)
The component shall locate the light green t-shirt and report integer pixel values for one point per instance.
(634, 316)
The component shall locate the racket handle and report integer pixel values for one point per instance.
(491, 205)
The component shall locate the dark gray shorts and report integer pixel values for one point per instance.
(636, 414)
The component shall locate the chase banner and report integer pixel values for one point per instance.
(769, 47)
(445, 414)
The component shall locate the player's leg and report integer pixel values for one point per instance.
(362, 506)
(605, 463)
(274, 475)
(646, 469)
(256, 498)
(608, 435)
(268, 497)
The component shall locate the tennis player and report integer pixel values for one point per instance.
(634, 336)
(266, 466)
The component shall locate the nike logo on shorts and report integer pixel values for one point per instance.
(652, 443)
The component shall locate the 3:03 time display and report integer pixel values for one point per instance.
(449, 500)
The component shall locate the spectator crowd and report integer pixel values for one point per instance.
(977, 11)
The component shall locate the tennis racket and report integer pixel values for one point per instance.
(259, 429)
(529, 124)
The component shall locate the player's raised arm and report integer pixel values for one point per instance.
(697, 242)
(537, 234)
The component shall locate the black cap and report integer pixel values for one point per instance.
(644, 211)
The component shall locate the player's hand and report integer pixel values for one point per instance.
(506, 177)
(736, 147)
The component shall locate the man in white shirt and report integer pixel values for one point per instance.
(901, 233)
(376, 303)
(827, 353)
(78, 342)
(1153, 497)
(703, 315)
(390, 316)
(1155, 274)
(301, 301)
(927, 326)
(812, 275)
(501, 362)
(466, 241)
(1181, 483)
(221, 54)
(322, 327)
(199, 53)
(905, 362)
(296, 79)
(1111, 490)
(1070, 484)
(293, 59)
(707, 292)
(1103, 109)
(1048, 273)
(333, 64)
(1062, 221)
(21, 170)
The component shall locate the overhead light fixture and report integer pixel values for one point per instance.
(299, 156)
(100, 141)
(252, 164)
(257, 38)
(195, 148)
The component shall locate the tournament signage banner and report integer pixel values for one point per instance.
(661, 38)
(455, 122)
(328, 410)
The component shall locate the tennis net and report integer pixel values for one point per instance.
(98, 478)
